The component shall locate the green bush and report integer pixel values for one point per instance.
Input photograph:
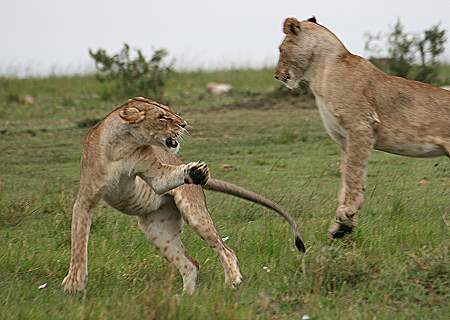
(408, 55)
(133, 75)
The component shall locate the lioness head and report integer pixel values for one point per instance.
(296, 51)
(151, 123)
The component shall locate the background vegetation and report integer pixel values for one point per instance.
(133, 74)
(409, 55)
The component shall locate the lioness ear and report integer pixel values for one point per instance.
(312, 19)
(132, 115)
(291, 26)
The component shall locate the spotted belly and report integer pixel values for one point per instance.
(411, 148)
(134, 197)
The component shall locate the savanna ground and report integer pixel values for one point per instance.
(396, 266)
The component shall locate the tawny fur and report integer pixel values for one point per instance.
(362, 108)
(125, 162)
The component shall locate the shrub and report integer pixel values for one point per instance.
(133, 75)
(408, 55)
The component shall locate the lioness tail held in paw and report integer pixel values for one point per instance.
(128, 161)
(362, 108)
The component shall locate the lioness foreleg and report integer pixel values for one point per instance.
(358, 146)
(164, 177)
(77, 276)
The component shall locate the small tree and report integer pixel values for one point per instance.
(429, 47)
(408, 55)
(400, 50)
(133, 75)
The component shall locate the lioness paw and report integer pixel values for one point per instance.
(345, 222)
(73, 284)
(197, 173)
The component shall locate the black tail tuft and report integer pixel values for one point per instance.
(299, 244)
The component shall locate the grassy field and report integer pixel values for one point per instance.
(396, 266)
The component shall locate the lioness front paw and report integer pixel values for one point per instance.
(197, 173)
(338, 230)
(344, 223)
(74, 282)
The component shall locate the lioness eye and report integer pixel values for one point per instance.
(162, 117)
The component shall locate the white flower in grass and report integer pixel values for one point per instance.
(43, 286)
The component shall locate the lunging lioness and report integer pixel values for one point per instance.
(126, 161)
(362, 108)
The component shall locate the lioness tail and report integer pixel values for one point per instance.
(230, 188)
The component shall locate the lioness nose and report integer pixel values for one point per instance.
(183, 124)
(277, 77)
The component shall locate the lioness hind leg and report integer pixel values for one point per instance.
(77, 276)
(163, 228)
(353, 171)
(192, 206)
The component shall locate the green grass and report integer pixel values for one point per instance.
(445, 72)
(395, 266)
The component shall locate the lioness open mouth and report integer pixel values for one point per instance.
(171, 143)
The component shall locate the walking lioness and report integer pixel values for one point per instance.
(126, 161)
(362, 108)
